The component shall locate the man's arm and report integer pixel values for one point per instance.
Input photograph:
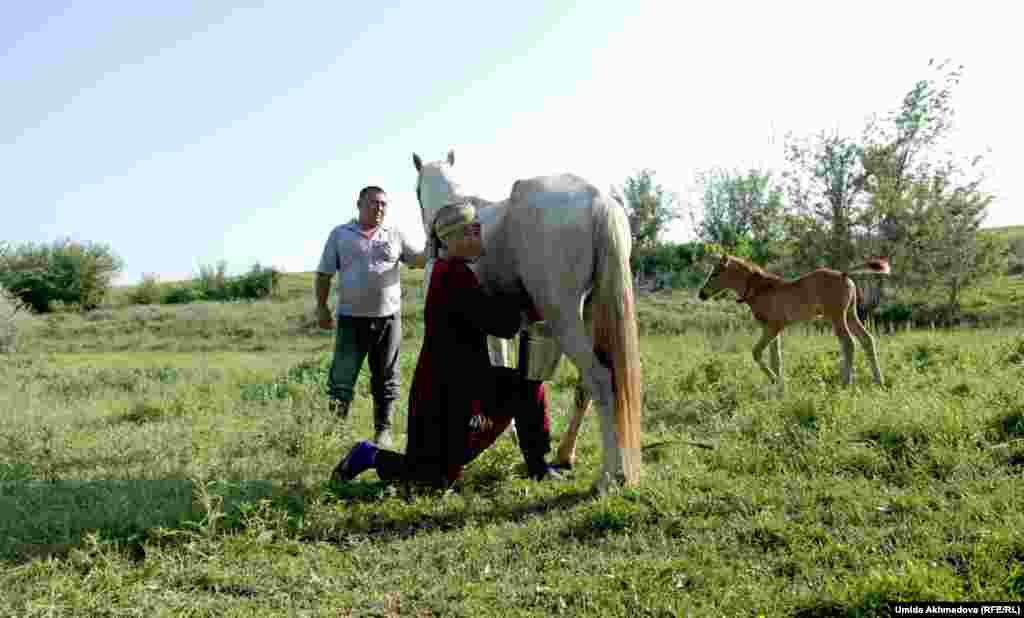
(323, 289)
(412, 257)
(330, 261)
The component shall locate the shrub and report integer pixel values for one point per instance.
(71, 272)
(1016, 265)
(180, 295)
(674, 265)
(259, 282)
(9, 307)
(147, 292)
(894, 313)
(1016, 256)
(214, 284)
(212, 281)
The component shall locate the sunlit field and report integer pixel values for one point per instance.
(173, 460)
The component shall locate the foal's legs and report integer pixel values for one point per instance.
(846, 347)
(769, 332)
(775, 359)
(868, 343)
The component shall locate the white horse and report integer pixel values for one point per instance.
(561, 239)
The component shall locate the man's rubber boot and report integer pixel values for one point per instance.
(382, 425)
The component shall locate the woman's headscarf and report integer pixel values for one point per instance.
(451, 220)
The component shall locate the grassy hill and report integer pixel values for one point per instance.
(172, 460)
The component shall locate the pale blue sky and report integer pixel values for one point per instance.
(185, 133)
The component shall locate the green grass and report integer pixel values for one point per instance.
(167, 461)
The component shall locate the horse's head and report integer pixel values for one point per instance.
(435, 187)
(724, 275)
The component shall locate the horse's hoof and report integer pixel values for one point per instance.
(607, 483)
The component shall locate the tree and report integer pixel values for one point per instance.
(898, 152)
(947, 252)
(742, 213)
(928, 207)
(649, 206)
(71, 272)
(825, 183)
(10, 305)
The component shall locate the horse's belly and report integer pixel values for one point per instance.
(803, 313)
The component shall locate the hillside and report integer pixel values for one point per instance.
(817, 501)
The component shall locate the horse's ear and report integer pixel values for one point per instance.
(451, 157)
(417, 161)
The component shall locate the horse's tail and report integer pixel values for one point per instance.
(616, 341)
(874, 266)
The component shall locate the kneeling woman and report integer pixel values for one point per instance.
(458, 402)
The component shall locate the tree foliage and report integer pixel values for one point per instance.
(825, 180)
(740, 212)
(70, 272)
(893, 192)
(10, 305)
(925, 206)
(649, 206)
(944, 250)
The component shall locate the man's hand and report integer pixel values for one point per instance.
(420, 261)
(323, 317)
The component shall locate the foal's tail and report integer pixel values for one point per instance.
(616, 341)
(874, 266)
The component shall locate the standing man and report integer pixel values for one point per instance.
(366, 256)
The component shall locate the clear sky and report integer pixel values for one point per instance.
(183, 133)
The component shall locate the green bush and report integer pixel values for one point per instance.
(214, 284)
(894, 313)
(70, 272)
(673, 265)
(259, 282)
(147, 292)
(9, 307)
(180, 295)
(1016, 265)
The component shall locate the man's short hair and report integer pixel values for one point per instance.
(370, 189)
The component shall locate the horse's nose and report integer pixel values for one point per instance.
(702, 294)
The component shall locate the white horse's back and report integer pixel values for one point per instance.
(545, 237)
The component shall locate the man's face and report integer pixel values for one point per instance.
(372, 207)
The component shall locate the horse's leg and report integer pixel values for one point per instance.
(567, 447)
(598, 378)
(842, 332)
(769, 331)
(775, 358)
(868, 343)
(581, 401)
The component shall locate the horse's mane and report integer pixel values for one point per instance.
(754, 269)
